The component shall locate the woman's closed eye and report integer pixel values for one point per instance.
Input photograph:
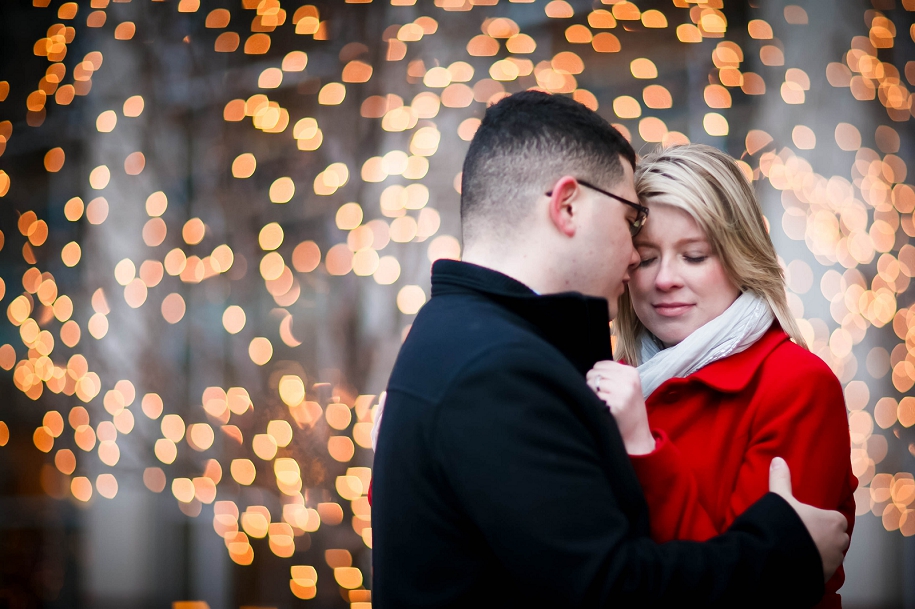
(647, 259)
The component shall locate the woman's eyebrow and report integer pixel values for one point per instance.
(691, 240)
(685, 241)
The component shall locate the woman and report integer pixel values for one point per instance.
(724, 381)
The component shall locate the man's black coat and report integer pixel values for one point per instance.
(501, 480)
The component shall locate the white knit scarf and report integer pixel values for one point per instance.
(735, 330)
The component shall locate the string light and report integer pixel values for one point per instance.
(856, 223)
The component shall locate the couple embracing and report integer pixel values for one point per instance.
(518, 465)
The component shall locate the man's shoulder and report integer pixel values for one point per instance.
(454, 334)
(464, 325)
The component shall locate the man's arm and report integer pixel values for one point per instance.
(527, 471)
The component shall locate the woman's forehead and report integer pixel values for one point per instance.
(670, 225)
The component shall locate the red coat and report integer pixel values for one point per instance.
(719, 428)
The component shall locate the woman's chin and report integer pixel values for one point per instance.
(670, 335)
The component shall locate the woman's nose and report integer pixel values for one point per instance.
(667, 278)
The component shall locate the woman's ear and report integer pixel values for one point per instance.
(563, 205)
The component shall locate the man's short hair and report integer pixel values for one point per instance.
(524, 144)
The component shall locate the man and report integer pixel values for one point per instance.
(500, 478)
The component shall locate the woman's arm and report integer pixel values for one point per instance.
(672, 494)
(668, 483)
(800, 416)
(620, 387)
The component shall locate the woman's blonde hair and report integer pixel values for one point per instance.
(708, 185)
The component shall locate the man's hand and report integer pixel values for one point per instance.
(621, 388)
(826, 527)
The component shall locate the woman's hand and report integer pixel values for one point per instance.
(621, 388)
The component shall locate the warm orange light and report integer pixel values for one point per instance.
(654, 19)
(99, 177)
(717, 96)
(257, 44)
(520, 44)
(244, 165)
(657, 97)
(643, 68)
(106, 121)
(84, 436)
(330, 513)
(348, 577)
(804, 137)
(193, 231)
(152, 405)
(233, 319)
(341, 448)
(356, 72)
(173, 427)
(626, 107)
(332, 94)
(65, 461)
(81, 488)
(282, 190)
(200, 436)
(715, 124)
(54, 160)
(260, 350)
(483, 46)
(173, 308)
(847, 136)
(601, 19)
(243, 471)
(559, 9)
(753, 84)
(771, 55)
(134, 163)
(295, 61)
(165, 450)
(578, 34)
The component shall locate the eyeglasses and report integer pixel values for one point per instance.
(642, 212)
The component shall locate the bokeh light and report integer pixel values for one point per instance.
(222, 222)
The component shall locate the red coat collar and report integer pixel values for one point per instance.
(732, 374)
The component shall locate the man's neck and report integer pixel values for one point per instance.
(518, 264)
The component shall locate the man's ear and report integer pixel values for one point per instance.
(566, 191)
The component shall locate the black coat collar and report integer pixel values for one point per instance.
(577, 325)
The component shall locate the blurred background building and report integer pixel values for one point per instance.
(218, 220)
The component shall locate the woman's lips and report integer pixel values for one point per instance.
(672, 309)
